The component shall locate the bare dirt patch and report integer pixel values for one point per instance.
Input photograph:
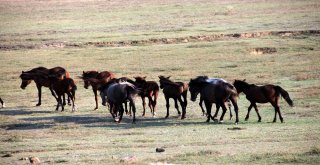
(264, 50)
(159, 41)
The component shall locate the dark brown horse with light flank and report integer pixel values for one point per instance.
(102, 77)
(214, 93)
(40, 76)
(177, 91)
(148, 89)
(263, 94)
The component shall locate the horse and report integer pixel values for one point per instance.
(263, 94)
(2, 103)
(100, 84)
(214, 93)
(104, 77)
(118, 93)
(40, 76)
(149, 89)
(66, 85)
(176, 91)
(213, 81)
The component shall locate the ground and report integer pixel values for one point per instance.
(264, 42)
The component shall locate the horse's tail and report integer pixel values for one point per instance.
(284, 94)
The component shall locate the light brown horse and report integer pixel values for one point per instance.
(176, 91)
(263, 94)
(102, 78)
(148, 89)
(40, 76)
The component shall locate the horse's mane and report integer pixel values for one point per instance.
(243, 84)
(168, 81)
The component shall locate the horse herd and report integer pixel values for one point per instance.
(117, 92)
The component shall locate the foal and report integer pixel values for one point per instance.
(263, 94)
(149, 89)
(176, 91)
(103, 78)
(61, 87)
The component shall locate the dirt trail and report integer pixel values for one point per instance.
(159, 41)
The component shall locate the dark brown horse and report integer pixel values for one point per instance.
(40, 76)
(61, 87)
(148, 89)
(176, 91)
(102, 77)
(263, 94)
(2, 103)
(214, 93)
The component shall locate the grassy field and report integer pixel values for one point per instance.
(57, 33)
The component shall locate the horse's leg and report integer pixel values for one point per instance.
(150, 104)
(58, 103)
(208, 107)
(176, 106)
(257, 111)
(72, 100)
(95, 98)
(229, 107)
(133, 110)
(236, 108)
(249, 109)
(126, 107)
(154, 102)
(200, 104)
(143, 105)
(183, 108)
(111, 110)
(224, 108)
(121, 113)
(39, 95)
(167, 105)
(216, 113)
(64, 99)
(185, 99)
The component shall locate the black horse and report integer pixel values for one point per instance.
(214, 93)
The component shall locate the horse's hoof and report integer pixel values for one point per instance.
(236, 123)
(246, 119)
(166, 116)
(221, 121)
(259, 121)
(38, 105)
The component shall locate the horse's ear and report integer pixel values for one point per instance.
(244, 79)
(168, 77)
(83, 72)
(22, 72)
(144, 77)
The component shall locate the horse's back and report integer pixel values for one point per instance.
(116, 93)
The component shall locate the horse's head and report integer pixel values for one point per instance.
(25, 80)
(194, 89)
(140, 81)
(240, 85)
(86, 83)
(163, 80)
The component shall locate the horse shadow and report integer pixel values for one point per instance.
(91, 121)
